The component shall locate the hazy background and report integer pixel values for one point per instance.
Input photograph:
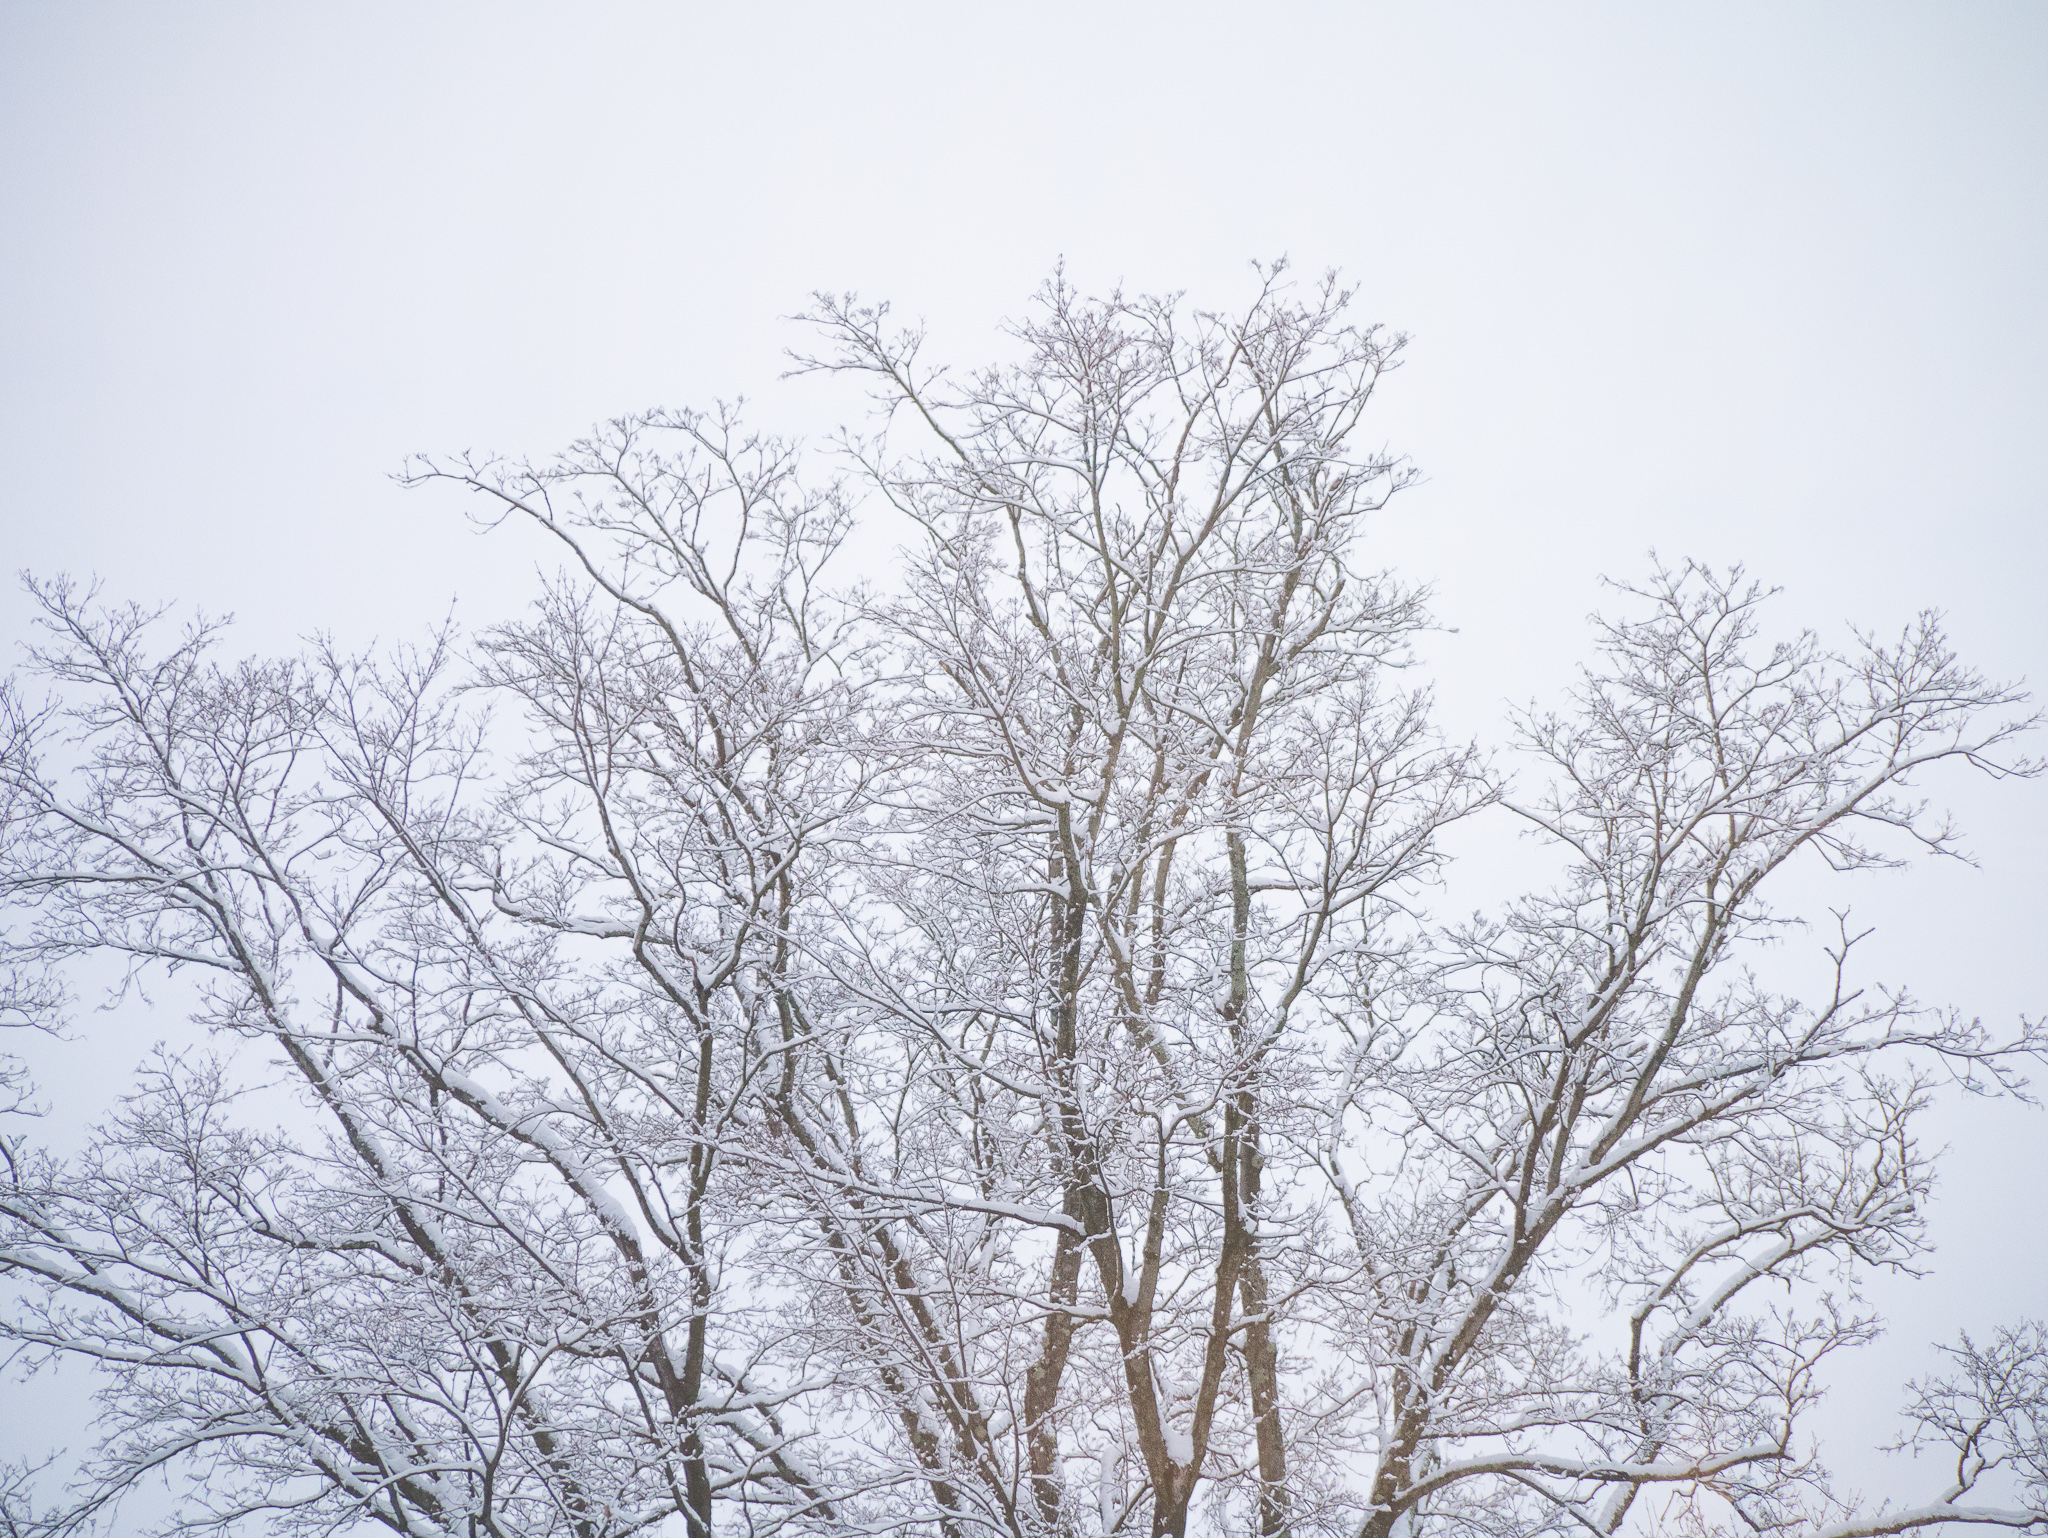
(1743, 282)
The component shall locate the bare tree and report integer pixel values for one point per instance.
(972, 1055)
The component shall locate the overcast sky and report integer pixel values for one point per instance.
(1758, 283)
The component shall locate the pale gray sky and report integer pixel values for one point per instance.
(1742, 281)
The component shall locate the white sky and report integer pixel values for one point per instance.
(1745, 282)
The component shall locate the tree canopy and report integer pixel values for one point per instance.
(972, 1053)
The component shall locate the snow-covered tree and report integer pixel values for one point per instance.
(971, 1054)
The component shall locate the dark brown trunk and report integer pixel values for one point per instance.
(1262, 1367)
(1170, 1509)
(1042, 1382)
(696, 1467)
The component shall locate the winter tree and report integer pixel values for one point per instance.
(740, 1051)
